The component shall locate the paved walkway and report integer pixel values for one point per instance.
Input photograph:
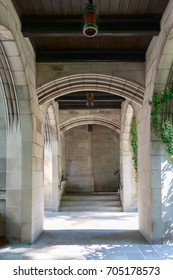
(88, 236)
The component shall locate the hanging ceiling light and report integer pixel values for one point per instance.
(90, 14)
(89, 99)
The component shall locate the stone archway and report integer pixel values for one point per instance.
(91, 82)
(90, 119)
(91, 153)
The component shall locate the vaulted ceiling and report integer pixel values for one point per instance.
(125, 30)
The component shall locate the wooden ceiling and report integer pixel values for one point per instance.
(125, 30)
(78, 100)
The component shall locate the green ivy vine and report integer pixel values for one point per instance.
(134, 142)
(162, 117)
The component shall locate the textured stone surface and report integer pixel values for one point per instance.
(91, 159)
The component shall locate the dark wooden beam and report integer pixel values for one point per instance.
(96, 106)
(48, 26)
(89, 56)
(81, 97)
(77, 101)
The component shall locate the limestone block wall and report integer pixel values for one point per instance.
(91, 159)
(24, 170)
(106, 158)
(48, 72)
(78, 156)
(159, 57)
(68, 118)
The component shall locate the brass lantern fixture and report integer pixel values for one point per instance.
(90, 15)
(89, 99)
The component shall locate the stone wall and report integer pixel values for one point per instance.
(91, 159)
(159, 58)
(47, 72)
(24, 127)
(106, 157)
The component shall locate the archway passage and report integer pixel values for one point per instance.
(91, 156)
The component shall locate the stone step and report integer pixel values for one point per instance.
(82, 202)
(96, 202)
(90, 209)
(91, 197)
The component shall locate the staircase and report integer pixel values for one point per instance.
(96, 202)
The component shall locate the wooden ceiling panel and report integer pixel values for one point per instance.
(20, 7)
(57, 8)
(124, 26)
(104, 8)
(114, 7)
(156, 7)
(48, 7)
(77, 7)
(133, 6)
(74, 7)
(37, 7)
(123, 8)
(142, 6)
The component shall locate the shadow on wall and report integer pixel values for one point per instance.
(167, 200)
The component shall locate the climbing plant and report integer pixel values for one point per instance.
(134, 142)
(162, 117)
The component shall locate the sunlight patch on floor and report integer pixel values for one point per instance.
(90, 220)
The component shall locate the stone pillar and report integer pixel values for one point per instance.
(2, 164)
(128, 192)
(144, 191)
(47, 176)
(52, 170)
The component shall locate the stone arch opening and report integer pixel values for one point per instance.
(89, 119)
(91, 154)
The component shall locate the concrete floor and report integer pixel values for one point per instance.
(88, 236)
